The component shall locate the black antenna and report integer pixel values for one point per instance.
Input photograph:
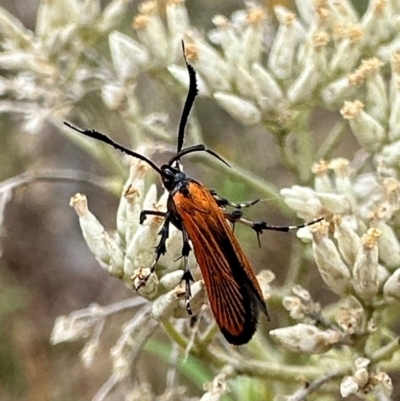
(104, 138)
(191, 96)
(196, 148)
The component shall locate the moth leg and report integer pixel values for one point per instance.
(223, 202)
(161, 248)
(145, 213)
(187, 275)
(260, 226)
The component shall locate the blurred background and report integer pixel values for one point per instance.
(46, 269)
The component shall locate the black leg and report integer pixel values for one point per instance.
(223, 202)
(145, 213)
(187, 275)
(160, 249)
(260, 226)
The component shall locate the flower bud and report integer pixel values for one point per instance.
(242, 110)
(305, 338)
(347, 239)
(392, 286)
(177, 20)
(322, 182)
(303, 200)
(336, 92)
(282, 54)
(368, 131)
(388, 244)
(390, 154)
(104, 247)
(304, 85)
(151, 31)
(128, 56)
(333, 270)
(343, 182)
(333, 203)
(165, 305)
(365, 270)
(271, 92)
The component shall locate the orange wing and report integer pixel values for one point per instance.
(232, 287)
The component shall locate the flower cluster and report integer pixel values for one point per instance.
(270, 69)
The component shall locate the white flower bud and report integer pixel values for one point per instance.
(242, 110)
(140, 251)
(303, 200)
(382, 275)
(343, 182)
(265, 278)
(366, 129)
(376, 99)
(165, 305)
(112, 14)
(304, 85)
(392, 286)
(55, 15)
(366, 185)
(343, 11)
(348, 386)
(246, 84)
(170, 280)
(333, 203)
(209, 65)
(271, 92)
(333, 270)
(128, 56)
(306, 9)
(151, 31)
(130, 204)
(225, 36)
(336, 92)
(375, 22)
(305, 338)
(394, 118)
(348, 240)
(104, 248)
(365, 270)
(388, 244)
(177, 20)
(322, 182)
(345, 57)
(252, 38)
(390, 154)
(281, 57)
